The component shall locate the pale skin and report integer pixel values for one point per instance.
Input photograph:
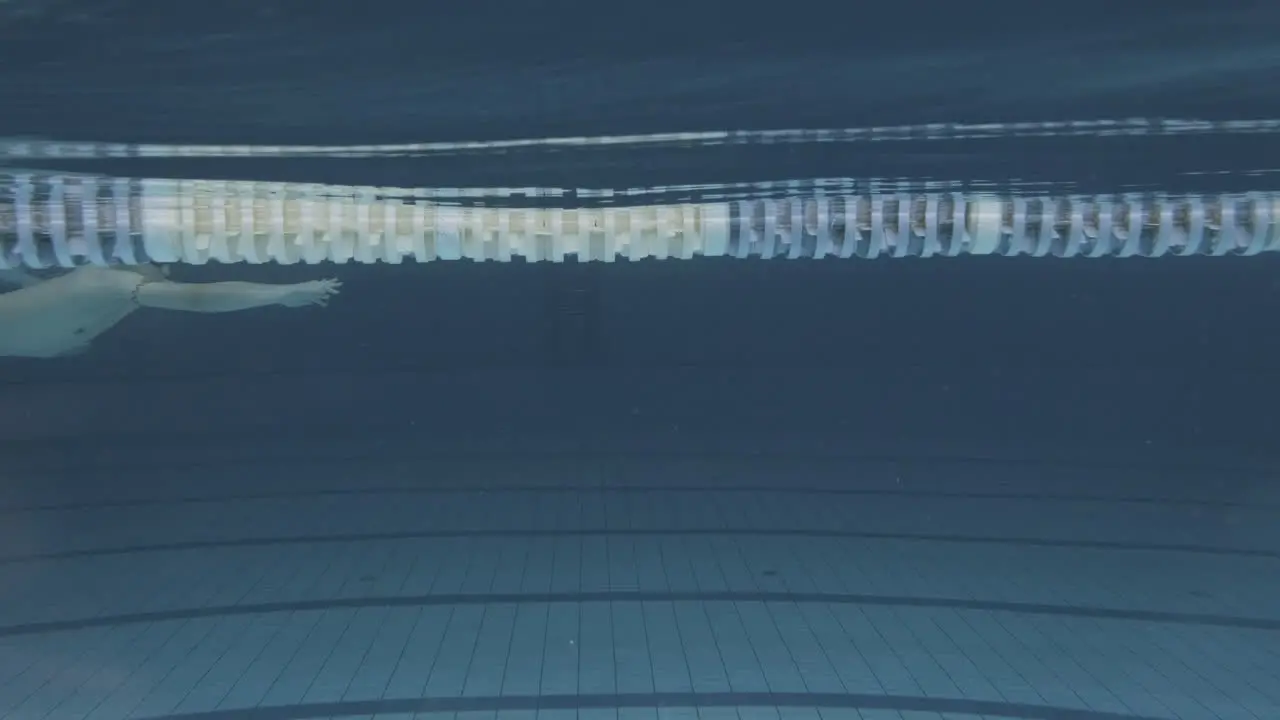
(61, 316)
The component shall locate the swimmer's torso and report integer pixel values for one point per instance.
(63, 315)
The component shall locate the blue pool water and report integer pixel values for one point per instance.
(778, 479)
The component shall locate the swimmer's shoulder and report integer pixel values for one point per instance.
(105, 279)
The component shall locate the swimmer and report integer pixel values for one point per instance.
(60, 316)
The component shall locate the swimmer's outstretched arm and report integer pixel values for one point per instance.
(221, 297)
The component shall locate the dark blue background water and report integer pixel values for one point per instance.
(1170, 361)
(291, 71)
(287, 71)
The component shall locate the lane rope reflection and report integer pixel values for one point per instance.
(60, 220)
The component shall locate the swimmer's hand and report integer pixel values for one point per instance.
(316, 292)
